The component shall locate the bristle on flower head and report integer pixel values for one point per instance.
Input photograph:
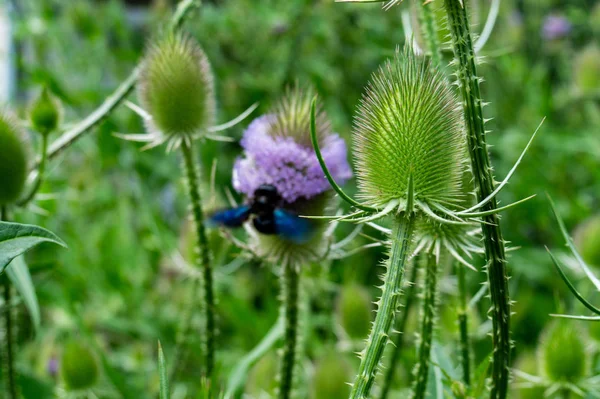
(277, 151)
(409, 136)
(176, 87)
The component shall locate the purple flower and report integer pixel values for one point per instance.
(52, 366)
(555, 27)
(293, 168)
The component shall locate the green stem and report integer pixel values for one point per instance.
(290, 285)
(402, 232)
(203, 255)
(466, 73)
(99, 114)
(465, 351)
(400, 326)
(428, 314)
(430, 31)
(41, 171)
(9, 350)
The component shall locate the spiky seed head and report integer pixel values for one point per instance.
(14, 158)
(563, 351)
(331, 376)
(409, 127)
(176, 87)
(587, 70)
(45, 112)
(354, 309)
(587, 237)
(79, 366)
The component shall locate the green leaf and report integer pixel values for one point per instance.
(237, 378)
(19, 276)
(162, 370)
(579, 297)
(16, 239)
(571, 246)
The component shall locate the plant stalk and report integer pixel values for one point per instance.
(430, 31)
(400, 326)
(465, 348)
(428, 314)
(9, 349)
(203, 260)
(290, 285)
(41, 171)
(468, 80)
(402, 232)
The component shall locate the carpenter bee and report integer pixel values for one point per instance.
(268, 216)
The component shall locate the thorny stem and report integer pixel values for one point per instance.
(466, 73)
(430, 31)
(41, 170)
(427, 324)
(202, 255)
(290, 285)
(465, 352)
(401, 327)
(9, 350)
(99, 114)
(402, 232)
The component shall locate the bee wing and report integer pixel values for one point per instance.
(292, 227)
(233, 217)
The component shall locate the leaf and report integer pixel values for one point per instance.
(16, 239)
(571, 246)
(237, 378)
(579, 297)
(18, 273)
(162, 370)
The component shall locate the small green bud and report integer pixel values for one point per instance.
(409, 136)
(563, 351)
(587, 240)
(331, 377)
(587, 70)
(14, 159)
(355, 311)
(176, 87)
(79, 368)
(45, 112)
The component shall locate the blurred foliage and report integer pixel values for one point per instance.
(121, 286)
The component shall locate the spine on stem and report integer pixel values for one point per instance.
(290, 287)
(386, 306)
(428, 315)
(466, 73)
(203, 260)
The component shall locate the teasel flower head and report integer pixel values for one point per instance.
(278, 152)
(15, 155)
(176, 91)
(176, 88)
(409, 139)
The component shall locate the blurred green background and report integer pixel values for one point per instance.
(118, 289)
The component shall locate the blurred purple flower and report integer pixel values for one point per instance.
(291, 167)
(52, 366)
(555, 27)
